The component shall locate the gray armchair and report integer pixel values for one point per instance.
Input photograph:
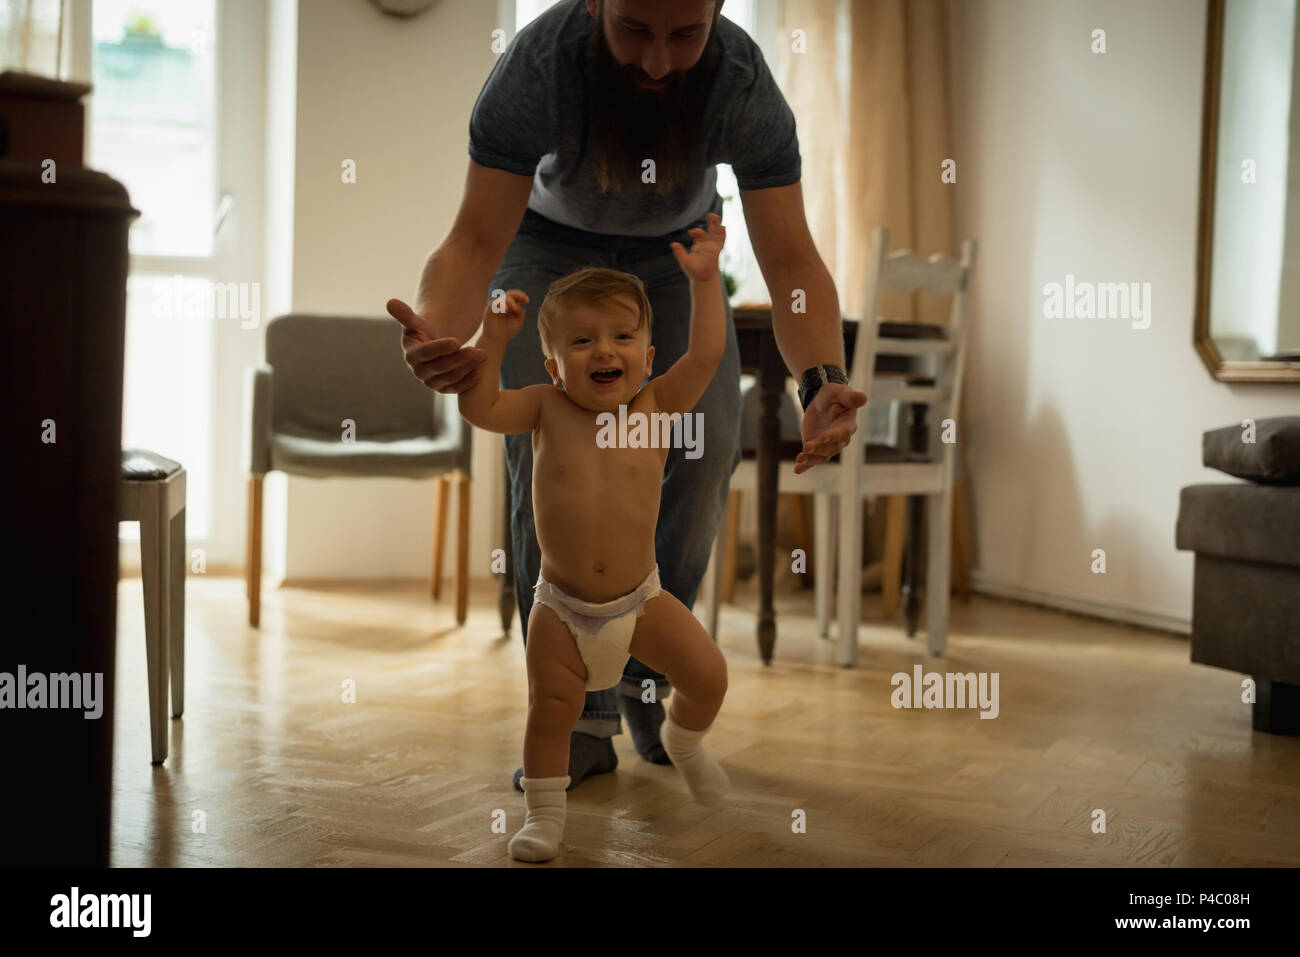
(336, 399)
(1246, 574)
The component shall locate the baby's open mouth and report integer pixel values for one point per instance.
(606, 376)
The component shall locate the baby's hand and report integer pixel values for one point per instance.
(504, 316)
(701, 263)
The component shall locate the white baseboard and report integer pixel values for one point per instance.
(1131, 613)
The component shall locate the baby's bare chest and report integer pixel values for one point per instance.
(577, 458)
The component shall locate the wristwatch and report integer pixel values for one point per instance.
(816, 377)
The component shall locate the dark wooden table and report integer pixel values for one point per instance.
(760, 357)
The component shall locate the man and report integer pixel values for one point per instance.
(595, 141)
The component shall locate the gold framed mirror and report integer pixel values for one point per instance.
(1247, 324)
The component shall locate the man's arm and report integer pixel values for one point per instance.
(454, 281)
(796, 276)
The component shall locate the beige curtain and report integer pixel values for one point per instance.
(869, 94)
(31, 35)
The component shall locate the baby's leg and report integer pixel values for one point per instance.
(671, 640)
(557, 685)
(557, 688)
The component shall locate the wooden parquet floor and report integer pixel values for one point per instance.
(269, 766)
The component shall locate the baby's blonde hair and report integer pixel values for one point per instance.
(591, 284)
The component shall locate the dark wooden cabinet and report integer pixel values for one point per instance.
(63, 305)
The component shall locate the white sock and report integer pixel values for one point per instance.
(704, 776)
(539, 838)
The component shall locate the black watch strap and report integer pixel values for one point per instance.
(813, 379)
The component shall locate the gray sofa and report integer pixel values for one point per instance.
(1246, 585)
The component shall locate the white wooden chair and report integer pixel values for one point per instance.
(837, 488)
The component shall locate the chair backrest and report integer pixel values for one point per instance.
(903, 270)
(330, 368)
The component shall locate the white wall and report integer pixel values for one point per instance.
(394, 96)
(1080, 433)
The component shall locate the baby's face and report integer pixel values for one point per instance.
(599, 357)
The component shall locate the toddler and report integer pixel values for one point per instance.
(597, 599)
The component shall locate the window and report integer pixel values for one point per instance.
(152, 122)
(152, 126)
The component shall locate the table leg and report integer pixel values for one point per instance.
(771, 385)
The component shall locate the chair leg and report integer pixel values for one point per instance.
(911, 590)
(960, 542)
(797, 505)
(462, 549)
(715, 583)
(824, 565)
(180, 564)
(849, 597)
(938, 543)
(732, 541)
(439, 534)
(155, 571)
(253, 561)
(892, 560)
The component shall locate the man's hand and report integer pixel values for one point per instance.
(828, 423)
(701, 263)
(441, 364)
(504, 316)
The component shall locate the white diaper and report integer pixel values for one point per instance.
(601, 630)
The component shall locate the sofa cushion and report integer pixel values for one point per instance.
(326, 457)
(1259, 523)
(1274, 456)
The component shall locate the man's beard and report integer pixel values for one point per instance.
(628, 125)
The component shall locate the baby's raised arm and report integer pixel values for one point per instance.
(678, 389)
(485, 405)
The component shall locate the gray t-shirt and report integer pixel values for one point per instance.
(529, 118)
